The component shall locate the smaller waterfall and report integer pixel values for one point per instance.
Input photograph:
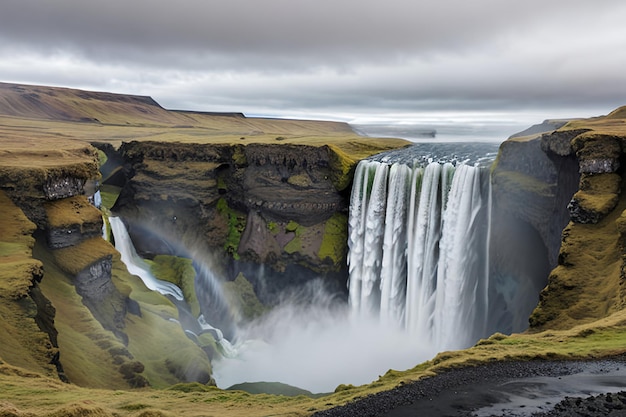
(138, 266)
(418, 249)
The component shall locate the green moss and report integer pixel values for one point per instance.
(512, 180)
(179, 271)
(74, 259)
(341, 167)
(236, 225)
(273, 227)
(109, 195)
(300, 180)
(241, 293)
(73, 210)
(333, 245)
(221, 183)
(102, 157)
(292, 226)
(239, 156)
(295, 244)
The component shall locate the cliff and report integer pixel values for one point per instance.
(281, 206)
(244, 191)
(560, 194)
(257, 192)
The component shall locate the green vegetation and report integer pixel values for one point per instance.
(239, 156)
(74, 259)
(273, 227)
(335, 237)
(178, 271)
(73, 210)
(109, 194)
(241, 293)
(102, 157)
(236, 225)
(295, 244)
(341, 167)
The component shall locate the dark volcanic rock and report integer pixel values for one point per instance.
(235, 198)
(531, 190)
(462, 392)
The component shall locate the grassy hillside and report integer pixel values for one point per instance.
(48, 114)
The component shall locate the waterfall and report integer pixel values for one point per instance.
(418, 249)
(138, 266)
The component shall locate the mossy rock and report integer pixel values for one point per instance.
(591, 208)
(342, 167)
(241, 293)
(187, 365)
(74, 259)
(300, 180)
(73, 210)
(236, 226)
(179, 271)
(608, 183)
(333, 245)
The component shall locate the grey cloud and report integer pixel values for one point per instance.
(347, 55)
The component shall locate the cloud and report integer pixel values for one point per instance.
(280, 56)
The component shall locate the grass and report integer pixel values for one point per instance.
(38, 395)
(74, 259)
(69, 211)
(236, 225)
(109, 194)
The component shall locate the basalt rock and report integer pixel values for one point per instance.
(235, 198)
(71, 221)
(533, 180)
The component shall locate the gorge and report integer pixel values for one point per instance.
(263, 212)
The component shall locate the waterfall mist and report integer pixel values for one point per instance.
(313, 341)
(420, 281)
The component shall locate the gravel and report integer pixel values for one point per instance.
(480, 390)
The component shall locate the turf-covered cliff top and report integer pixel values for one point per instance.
(52, 115)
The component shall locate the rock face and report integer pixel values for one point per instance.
(564, 188)
(264, 204)
(533, 181)
(28, 332)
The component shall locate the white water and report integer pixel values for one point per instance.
(426, 228)
(138, 266)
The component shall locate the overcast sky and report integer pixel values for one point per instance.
(338, 59)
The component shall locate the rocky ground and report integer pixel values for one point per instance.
(521, 388)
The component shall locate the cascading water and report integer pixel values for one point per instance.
(418, 243)
(136, 265)
(207, 286)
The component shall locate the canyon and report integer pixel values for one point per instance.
(249, 195)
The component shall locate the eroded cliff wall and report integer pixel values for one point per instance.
(69, 307)
(558, 195)
(277, 207)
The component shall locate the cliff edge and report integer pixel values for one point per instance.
(563, 189)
